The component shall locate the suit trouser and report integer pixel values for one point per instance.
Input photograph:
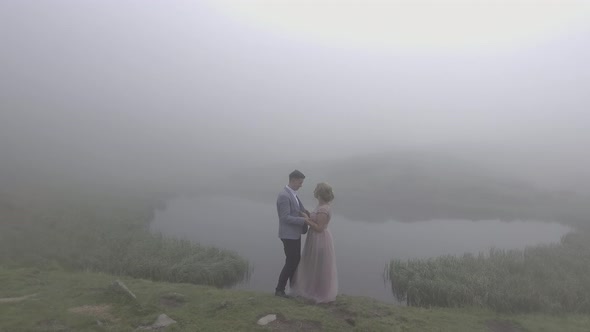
(292, 256)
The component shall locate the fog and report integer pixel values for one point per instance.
(169, 93)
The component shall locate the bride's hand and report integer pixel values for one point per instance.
(306, 217)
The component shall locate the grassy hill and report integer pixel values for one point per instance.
(83, 301)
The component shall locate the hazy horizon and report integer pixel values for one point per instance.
(166, 91)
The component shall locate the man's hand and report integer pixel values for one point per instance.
(305, 216)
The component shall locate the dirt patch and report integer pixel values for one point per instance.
(344, 314)
(342, 310)
(502, 326)
(172, 300)
(102, 311)
(170, 303)
(283, 324)
(380, 312)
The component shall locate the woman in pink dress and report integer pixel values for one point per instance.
(316, 277)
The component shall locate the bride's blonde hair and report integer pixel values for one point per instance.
(324, 192)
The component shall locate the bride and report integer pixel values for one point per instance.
(316, 277)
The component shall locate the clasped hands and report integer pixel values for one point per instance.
(306, 216)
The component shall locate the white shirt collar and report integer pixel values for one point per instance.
(291, 190)
(294, 193)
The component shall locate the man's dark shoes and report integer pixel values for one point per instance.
(282, 294)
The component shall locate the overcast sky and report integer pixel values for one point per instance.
(177, 87)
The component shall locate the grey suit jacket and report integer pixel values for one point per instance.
(291, 224)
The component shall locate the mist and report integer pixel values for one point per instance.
(170, 93)
(145, 142)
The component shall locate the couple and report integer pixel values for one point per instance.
(313, 274)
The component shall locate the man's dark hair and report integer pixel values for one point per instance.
(296, 175)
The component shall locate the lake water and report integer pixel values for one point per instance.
(362, 249)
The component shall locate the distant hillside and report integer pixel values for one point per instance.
(411, 186)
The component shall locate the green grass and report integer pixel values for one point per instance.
(545, 278)
(108, 234)
(205, 308)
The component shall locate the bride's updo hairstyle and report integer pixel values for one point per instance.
(324, 192)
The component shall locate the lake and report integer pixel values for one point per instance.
(362, 249)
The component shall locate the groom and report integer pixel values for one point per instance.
(291, 226)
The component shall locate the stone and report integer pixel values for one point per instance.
(161, 322)
(267, 319)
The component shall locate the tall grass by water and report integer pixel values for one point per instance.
(543, 278)
(108, 234)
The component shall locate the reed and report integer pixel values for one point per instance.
(111, 236)
(543, 278)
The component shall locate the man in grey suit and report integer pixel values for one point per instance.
(291, 226)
